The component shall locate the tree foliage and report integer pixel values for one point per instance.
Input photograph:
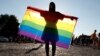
(8, 25)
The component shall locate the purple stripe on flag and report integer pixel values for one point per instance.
(62, 45)
(21, 32)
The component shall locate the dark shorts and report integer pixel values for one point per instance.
(50, 35)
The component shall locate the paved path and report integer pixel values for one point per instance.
(30, 49)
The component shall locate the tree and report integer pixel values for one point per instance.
(9, 26)
(3, 20)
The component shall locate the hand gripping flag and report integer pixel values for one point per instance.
(46, 26)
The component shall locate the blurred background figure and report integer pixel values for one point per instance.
(99, 41)
(94, 39)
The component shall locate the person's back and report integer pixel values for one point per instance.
(50, 33)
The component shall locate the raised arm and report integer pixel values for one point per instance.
(36, 9)
(71, 17)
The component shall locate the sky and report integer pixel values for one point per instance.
(88, 11)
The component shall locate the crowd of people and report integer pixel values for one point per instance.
(92, 40)
(96, 39)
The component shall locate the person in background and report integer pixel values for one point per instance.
(99, 41)
(94, 39)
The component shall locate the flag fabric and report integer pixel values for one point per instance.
(39, 25)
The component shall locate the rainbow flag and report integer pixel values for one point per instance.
(39, 25)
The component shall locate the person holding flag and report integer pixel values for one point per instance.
(50, 34)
